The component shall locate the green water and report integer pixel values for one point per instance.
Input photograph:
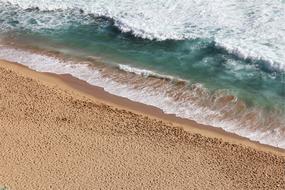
(197, 61)
(255, 81)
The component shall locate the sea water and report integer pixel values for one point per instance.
(220, 63)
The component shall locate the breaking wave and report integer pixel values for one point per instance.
(185, 100)
(249, 29)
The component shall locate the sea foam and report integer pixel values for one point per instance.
(249, 29)
(159, 97)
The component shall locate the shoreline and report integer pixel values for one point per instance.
(54, 136)
(231, 115)
(96, 93)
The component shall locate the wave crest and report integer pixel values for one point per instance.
(149, 73)
(250, 29)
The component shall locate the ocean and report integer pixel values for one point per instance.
(220, 63)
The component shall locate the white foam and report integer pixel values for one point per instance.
(147, 73)
(188, 109)
(249, 28)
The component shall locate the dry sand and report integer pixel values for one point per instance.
(54, 137)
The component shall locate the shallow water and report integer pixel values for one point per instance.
(197, 61)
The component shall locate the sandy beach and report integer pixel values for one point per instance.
(60, 135)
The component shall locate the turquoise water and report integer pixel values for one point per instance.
(214, 62)
(196, 60)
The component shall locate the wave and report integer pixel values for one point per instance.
(185, 100)
(148, 73)
(261, 61)
(248, 29)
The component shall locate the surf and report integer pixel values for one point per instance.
(174, 96)
(249, 29)
(188, 58)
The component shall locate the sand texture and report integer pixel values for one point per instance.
(54, 138)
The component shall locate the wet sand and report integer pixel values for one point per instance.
(58, 133)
